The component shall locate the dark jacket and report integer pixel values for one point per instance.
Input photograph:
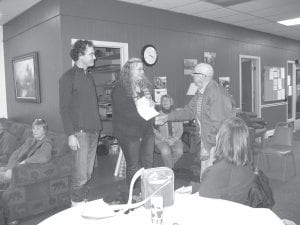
(78, 102)
(126, 119)
(236, 183)
(32, 151)
(216, 106)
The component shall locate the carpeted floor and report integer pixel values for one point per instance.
(286, 194)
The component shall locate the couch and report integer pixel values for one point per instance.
(35, 188)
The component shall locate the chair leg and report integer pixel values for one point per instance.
(268, 162)
(294, 163)
(285, 168)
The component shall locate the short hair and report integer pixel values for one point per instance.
(40, 122)
(79, 48)
(232, 140)
(204, 68)
(168, 97)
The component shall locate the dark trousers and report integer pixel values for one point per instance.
(138, 153)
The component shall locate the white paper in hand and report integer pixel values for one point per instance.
(144, 109)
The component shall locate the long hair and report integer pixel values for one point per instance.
(126, 77)
(232, 140)
(171, 103)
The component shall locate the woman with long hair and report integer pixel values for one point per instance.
(135, 134)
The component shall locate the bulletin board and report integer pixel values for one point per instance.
(274, 84)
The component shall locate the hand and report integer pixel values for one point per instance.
(73, 142)
(8, 175)
(171, 141)
(161, 119)
(23, 162)
(203, 155)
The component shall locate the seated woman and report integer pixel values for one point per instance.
(231, 176)
(168, 135)
(36, 149)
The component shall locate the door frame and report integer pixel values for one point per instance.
(293, 119)
(256, 85)
(107, 44)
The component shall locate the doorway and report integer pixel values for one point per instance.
(110, 57)
(250, 84)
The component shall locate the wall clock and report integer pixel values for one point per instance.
(149, 55)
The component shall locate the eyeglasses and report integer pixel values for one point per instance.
(199, 74)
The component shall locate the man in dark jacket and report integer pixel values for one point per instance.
(80, 117)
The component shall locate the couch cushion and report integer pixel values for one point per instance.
(8, 144)
(17, 129)
(60, 146)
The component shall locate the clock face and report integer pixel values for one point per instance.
(149, 55)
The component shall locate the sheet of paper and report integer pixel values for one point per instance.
(279, 84)
(275, 84)
(289, 80)
(192, 89)
(282, 72)
(290, 90)
(144, 109)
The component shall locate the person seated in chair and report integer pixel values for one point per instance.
(168, 136)
(231, 177)
(36, 149)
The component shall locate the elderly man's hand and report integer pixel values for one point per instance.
(203, 155)
(161, 119)
(73, 142)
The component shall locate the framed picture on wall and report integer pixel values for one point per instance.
(26, 78)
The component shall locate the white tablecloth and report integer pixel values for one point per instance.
(187, 210)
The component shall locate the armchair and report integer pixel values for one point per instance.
(37, 188)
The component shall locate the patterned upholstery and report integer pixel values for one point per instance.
(37, 188)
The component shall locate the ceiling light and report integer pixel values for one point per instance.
(290, 22)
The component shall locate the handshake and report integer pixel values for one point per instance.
(161, 119)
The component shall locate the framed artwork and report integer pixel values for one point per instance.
(210, 58)
(26, 78)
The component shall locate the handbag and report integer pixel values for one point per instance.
(261, 194)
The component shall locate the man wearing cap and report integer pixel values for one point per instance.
(210, 106)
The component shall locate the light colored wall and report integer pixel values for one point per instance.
(3, 104)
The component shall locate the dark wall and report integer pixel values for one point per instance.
(36, 30)
(176, 36)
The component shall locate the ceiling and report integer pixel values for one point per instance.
(260, 15)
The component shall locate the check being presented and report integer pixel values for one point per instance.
(145, 109)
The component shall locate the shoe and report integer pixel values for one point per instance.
(13, 222)
(74, 204)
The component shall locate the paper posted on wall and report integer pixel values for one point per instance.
(145, 109)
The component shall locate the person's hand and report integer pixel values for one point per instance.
(161, 119)
(73, 142)
(171, 141)
(203, 155)
(8, 175)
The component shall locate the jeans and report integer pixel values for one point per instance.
(84, 164)
(138, 153)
